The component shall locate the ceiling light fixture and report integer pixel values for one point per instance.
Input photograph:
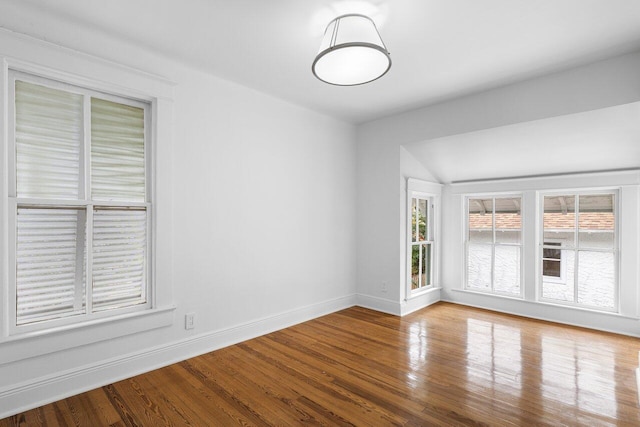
(352, 52)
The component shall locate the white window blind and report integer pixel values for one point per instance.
(50, 263)
(48, 141)
(119, 245)
(81, 202)
(117, 151)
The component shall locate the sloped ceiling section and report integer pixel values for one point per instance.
(600, 140)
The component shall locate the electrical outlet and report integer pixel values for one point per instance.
(189, 321)
(384, 287)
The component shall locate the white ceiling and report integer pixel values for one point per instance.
(440, 48)
(598, 140)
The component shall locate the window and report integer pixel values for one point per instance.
(494, 244)
(79, 207)
(552, 266)
(579, 241)
(422, 248)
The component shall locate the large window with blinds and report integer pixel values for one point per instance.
(79, 205)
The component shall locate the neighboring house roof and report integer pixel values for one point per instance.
(555, 221)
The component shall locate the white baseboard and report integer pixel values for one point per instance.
(379, 304)
(420, 301)
(22, 397)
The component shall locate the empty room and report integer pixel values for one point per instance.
(324, 212)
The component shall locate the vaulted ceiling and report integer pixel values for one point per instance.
(440, 48)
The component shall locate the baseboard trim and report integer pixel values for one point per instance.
(379, 304)
(22, 397)
(421, 301)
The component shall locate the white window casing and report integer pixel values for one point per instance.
(589, 248)
(105, 221)
(428, 246)
(493, 241)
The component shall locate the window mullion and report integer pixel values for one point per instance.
(420, 266)
(576, 240)
(89, 266)
(85, 150)
(80, 257)
(493, 243)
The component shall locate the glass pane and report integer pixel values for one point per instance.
(558, 277)
(551, 268)
(119, 258)
(414, 223)
(48, 134)
(551, 253)
(422, 220)
(415, 266)
(50, 263)
(560, 219)
(425, 274)
(596, 221)
(508, 220)
(479, 267)
(117, 151)
(480, 220)
(596, 279)
(507, 269)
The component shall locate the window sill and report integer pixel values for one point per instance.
(550, 304)
(38, 343)
(489, 294)
(421, 292)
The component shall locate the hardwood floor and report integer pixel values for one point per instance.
(444, 365)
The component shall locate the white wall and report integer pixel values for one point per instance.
(380, 147)
(261, 225)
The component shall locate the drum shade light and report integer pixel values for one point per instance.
(352, 52)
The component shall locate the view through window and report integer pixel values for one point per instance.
(579, 240)
(494, 244)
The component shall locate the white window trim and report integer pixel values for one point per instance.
(429, 239)
(82, 202)
(430, 191)
(493, 244)
(105, 77)
(615, 251)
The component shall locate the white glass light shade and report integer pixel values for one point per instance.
(351, 53)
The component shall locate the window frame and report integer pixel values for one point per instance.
(430, 240)
(425, 190)
(84, 200)
(494, 243)
(577, 248)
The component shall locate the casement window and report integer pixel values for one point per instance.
(579, 230)
(494, 244)
(422, 243)
(79, 207)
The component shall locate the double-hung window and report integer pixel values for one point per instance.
(422, 242)
(579, 245)
(494, 244)
(79, 206)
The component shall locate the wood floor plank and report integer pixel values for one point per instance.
(445, 365)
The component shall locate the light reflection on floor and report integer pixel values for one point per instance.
(418, 350)
(494, 357)
(578, 376)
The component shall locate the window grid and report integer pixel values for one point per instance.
(83, 309)
(495, 276)
(422, 253)
(579, 250)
